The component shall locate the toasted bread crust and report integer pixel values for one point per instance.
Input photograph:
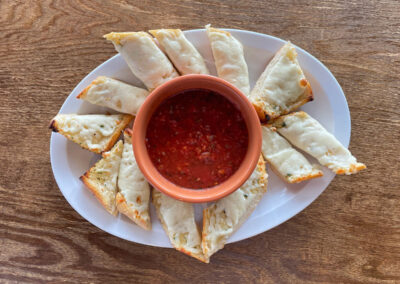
(200, 257)
(196, 256)
(117, 37)
(122, 204)
(307, 177)
(207, 212)
(82, 94)
(211, 29)
(317, 174)
(277, 123)
(53, 126)
(97, 187)
(93, 188)
(266, 116)
(205, 232)
(307, 97)
(122, 125)
(176, 32)
(351, 169)
(263, 112)
(134, 215)
(98, 80)
(127, 118)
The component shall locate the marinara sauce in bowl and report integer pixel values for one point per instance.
(197, 138)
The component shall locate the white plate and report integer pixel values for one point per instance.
(281, 202)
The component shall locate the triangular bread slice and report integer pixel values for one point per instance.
(289, 164)
(309, 135)
(114, 94)
(177, 219)
(94, 132)
(144, 57)
(229, 58)
(282, 87)
(134, 191)
(101, 179)
(225, 216)
(180, 51)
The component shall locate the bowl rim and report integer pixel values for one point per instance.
(150, 172)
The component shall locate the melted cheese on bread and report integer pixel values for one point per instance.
(101, 179)
(309, 135)
(225, 216)
(94, 132)
(282, 87)
(229, 58)
(114, 94)
(144, 58)
(180, 51)
(288, 163)
(134, 191)
(177, 218)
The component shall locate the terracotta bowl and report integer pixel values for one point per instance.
(176, 86)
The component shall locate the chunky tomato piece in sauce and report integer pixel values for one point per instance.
(197, 139)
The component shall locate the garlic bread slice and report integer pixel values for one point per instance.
(134, 191)
(94, 132)
(309, 135)
(177, 219)
(282, 87)
(101, 179)
(180, 51)
(144, 58)
(114, 94)
(225, 216)
(229, 58)
(289, 164)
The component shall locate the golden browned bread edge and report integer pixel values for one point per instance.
(155, 33)
(82, 94)
(209, 28)
(55, 128)
(93, 188)
(317, 174)
(200, 257)
(266, 116)
(206, 211)
(352, 169)
(307, 96)
(127, 118)
(134, 215)
(277, 123)
(114, 137)
(122, 205)
(205, 232)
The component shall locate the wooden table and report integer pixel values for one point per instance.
(351, 233)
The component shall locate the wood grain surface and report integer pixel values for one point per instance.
(350, 234)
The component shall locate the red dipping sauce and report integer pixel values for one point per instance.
(197, 138)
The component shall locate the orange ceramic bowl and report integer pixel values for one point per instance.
(176, 86)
